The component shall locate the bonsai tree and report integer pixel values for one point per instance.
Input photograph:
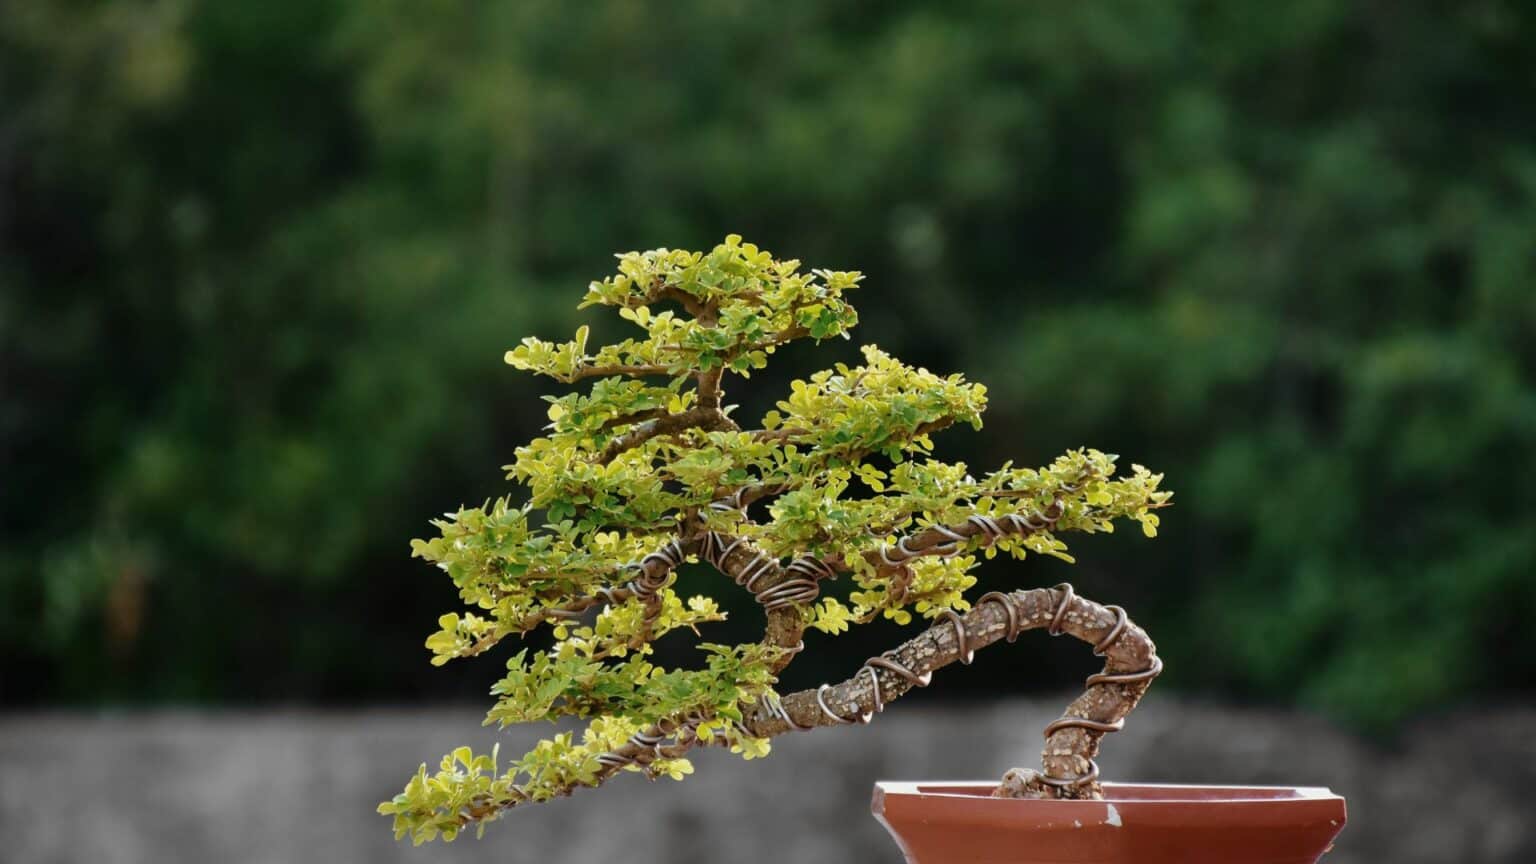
(645, 468)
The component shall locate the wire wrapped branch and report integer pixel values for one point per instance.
(1072, 742)
(650, 575)
(944, 541)
(666, 739)
(771, 585)
(651, 744)
(782, 590)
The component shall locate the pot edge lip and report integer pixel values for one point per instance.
(936, 790)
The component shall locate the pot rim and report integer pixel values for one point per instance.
(1140, 794)
(939, 821)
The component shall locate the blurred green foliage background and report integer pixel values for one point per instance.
(261, 261)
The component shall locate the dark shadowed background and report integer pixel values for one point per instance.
(259, 263)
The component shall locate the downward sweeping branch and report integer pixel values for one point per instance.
(1069, 749)
(635, 751)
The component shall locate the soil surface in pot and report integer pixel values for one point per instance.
(950, 823)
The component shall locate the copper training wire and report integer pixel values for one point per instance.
(1001, 599)
(730, 503)
(642, 587)
(1103, 645)
(821, 702)
(885, 661)
(986, 524)
(774, 704)
(798, 589)
(1100, 648)
(1067, 593)
(874, 684)
(646, 585)
(642, 739)
(1147, 674)
(962, 643)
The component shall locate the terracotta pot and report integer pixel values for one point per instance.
(949, 823)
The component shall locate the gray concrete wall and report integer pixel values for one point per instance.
(264, 788)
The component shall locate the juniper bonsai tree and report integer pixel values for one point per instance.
(648, 468)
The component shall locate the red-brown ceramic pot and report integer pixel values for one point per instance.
(950, 823)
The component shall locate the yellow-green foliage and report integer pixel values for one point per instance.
(843, 461)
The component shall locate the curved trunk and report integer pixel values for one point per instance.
(1072, 742)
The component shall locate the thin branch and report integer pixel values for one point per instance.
(782, 434)
(633, 751)
(690, 304)
(693, 418)
(537, 617)
(944, 540)
(790, 433)
(633, 370)
(636, 417)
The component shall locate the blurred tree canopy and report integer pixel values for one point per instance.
(261, 260)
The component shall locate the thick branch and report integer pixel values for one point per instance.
(1068, 751)
(751, 567)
